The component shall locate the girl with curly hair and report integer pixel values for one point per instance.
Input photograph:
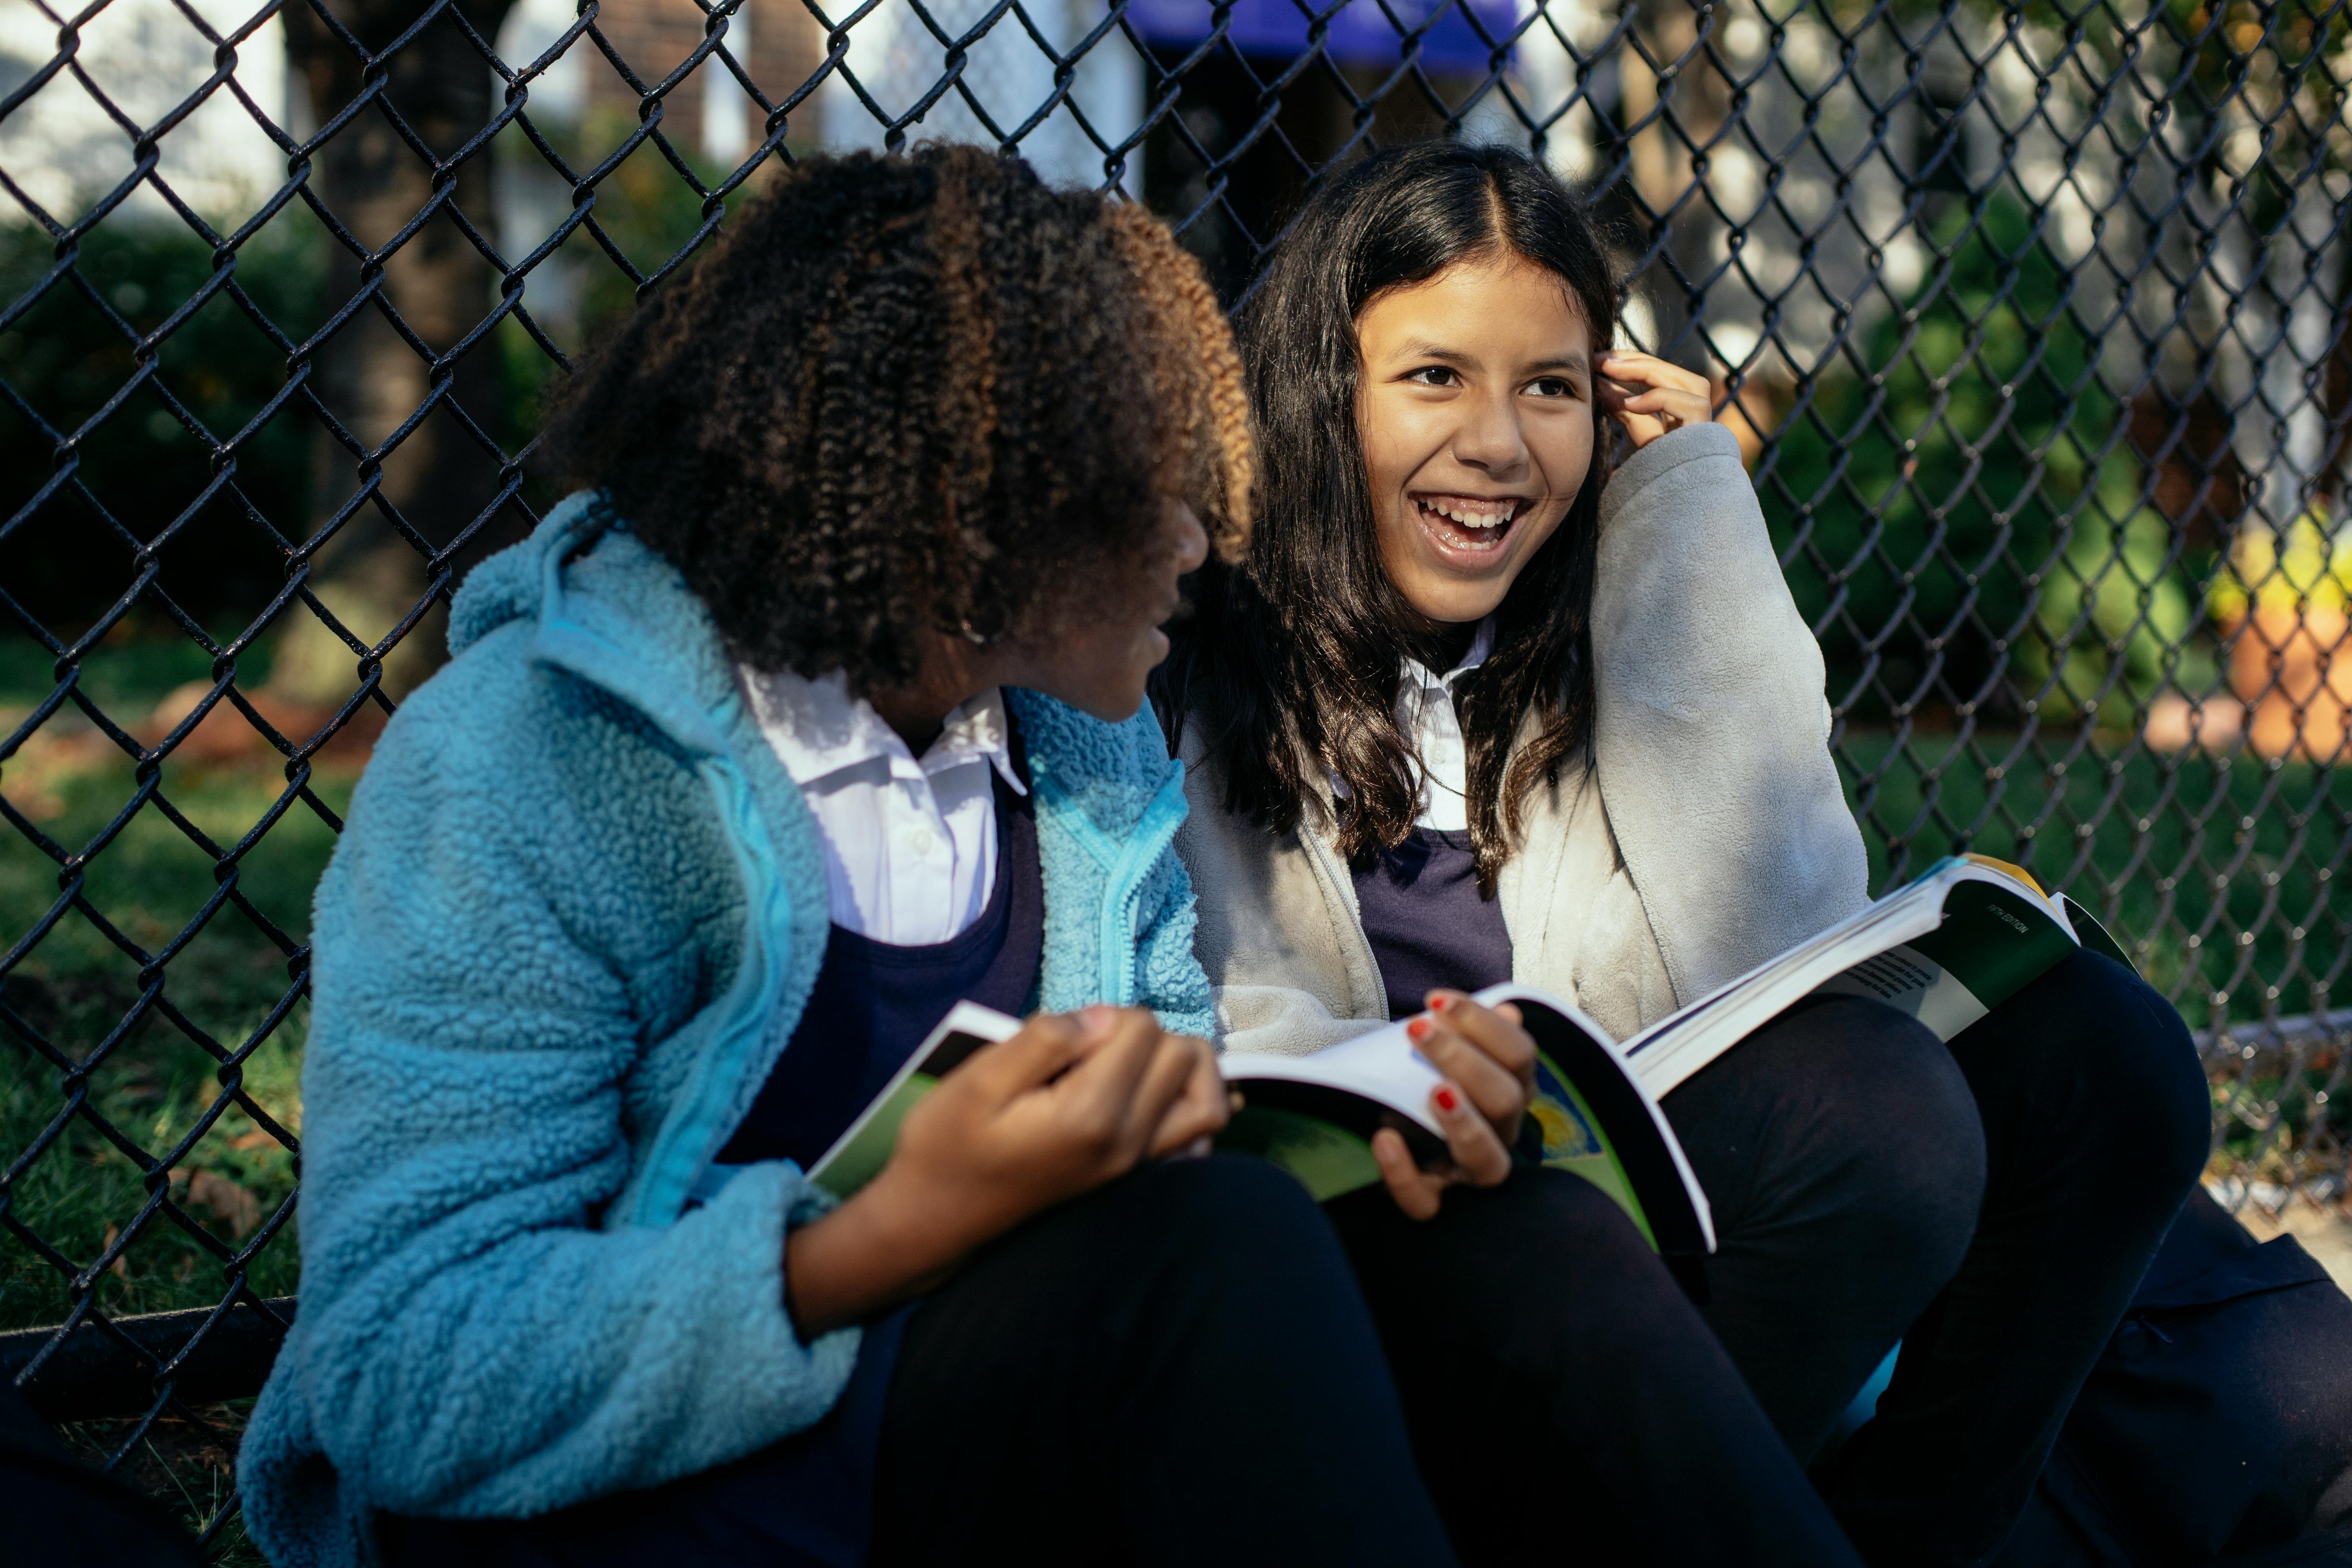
(817, 708)
(1474, 708)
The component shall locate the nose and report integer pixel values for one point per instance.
(1490, 438)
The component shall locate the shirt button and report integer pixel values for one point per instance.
(922, 843)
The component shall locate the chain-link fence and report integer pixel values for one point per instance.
(2031, 320)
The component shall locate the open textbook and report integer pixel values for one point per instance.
(858, 1156)
(1947, 949)
(1315, 1115)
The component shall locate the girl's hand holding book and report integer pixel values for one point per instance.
(1490, 1063)
(1072, 1102)
(1649, 396)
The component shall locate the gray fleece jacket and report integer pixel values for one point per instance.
(1704, 833)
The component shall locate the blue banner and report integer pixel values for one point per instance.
(1359, 33)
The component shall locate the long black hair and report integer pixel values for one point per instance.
(1290, 660)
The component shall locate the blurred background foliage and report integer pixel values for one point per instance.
(222, 560)
(1963, 512)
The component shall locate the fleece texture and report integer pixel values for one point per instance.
(1704, 832)
(572, 923)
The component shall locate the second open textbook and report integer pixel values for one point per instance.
(1966, 937)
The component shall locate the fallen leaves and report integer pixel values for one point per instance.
(230, 1204)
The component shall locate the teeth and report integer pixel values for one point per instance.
(1475, 519)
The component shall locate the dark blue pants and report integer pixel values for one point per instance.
(1991, 1205)
(1176, 1369)
(1566, 1403)
(1179, 1370)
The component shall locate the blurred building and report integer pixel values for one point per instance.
(63, 149)
(772, 44)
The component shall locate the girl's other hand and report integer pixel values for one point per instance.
(1649, 396)
(1490, 1063)
(1070, 1102)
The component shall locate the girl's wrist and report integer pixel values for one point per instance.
(888, 1242)
(926, 1226)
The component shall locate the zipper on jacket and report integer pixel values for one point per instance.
(1154, 831)
(682, 1146)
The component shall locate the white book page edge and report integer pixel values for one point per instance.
(964, 1019)
(1680, 1044)
(1381, 1066)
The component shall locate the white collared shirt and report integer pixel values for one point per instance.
(1426, 717)
(909, 844)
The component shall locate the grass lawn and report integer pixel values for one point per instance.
(158, 1079)
(153, 1052)
(2222, 878)
(223, 992)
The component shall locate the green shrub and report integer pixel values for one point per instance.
(1963, 500)
(141, 467)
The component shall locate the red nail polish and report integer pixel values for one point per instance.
(1445, 1099)
(1417, 1031)
(1439, 1001)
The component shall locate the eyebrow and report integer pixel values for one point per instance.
(1421, 348)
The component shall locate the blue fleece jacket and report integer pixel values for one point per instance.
(573, 921)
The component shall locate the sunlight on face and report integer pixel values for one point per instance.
(1477, 422)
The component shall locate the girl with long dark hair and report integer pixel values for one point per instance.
(1472, 707)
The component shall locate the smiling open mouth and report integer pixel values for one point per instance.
(1469, 524)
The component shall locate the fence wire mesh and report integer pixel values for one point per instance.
(2031, 321)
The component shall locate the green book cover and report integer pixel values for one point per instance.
(858, 1156)
(1573, 1142)
(1994, 940)
(1328, 1159)
(1315, 1116)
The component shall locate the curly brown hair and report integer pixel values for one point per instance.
(913, 392)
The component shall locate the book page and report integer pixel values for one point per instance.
(1383, 1067)
(1976, 939)
(1906, 979)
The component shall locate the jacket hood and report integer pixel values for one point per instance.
(600, 604)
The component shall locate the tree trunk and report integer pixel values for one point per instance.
(437, 479)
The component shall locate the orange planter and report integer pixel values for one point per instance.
(2292, 669)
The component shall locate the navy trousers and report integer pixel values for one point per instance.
(1175, 1368)
(1992, 1204)
(1179, 1369)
